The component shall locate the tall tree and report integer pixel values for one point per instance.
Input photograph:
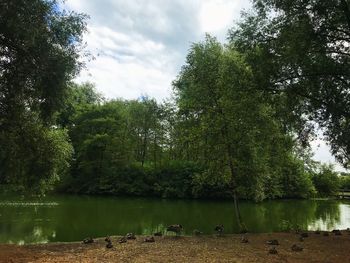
(39, 49)
(300, 49)
(232, 129)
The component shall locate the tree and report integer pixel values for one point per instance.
(39, 49)
(32, 156)
(326, 181)
(300, 50)
(77, 97)
(101, 145)
(232, 128)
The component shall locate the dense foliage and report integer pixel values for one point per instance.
(39, 51)
(300, 49)
(141, 147)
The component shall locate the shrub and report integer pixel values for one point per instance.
(326, 181)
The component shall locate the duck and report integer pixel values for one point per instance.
(130, 236)
(109, 242)
(273, 251)
(174, 228)
(296, 248)
(244, 239)
(196, 232)
(325, 234)
(149, 239)
(158, 234)
(317, 232)
(122, 240)
(273, 242)
(109, 245)
(88, 240)
(219, 229)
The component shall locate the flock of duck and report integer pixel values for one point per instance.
(219, 229)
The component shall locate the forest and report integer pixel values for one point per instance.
(238, 124)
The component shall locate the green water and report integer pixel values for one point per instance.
(72, 218)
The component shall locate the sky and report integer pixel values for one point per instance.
(139, 46)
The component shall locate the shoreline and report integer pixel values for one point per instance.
(206, 248)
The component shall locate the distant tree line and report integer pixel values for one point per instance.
(144, 148)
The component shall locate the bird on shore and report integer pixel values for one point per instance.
(325, 234)
(301, 239)
(219, 229)
(174, 228)
(273, 242)
(88, 240)
(109, 245)
(149, 239)
(296, 248)
(109, 242)
(244, 239)
(130, 236)
(317, 232)
(158, 234)
(196, 232)
(273, 251)
(122, 240)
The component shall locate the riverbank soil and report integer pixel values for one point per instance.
(228, 248)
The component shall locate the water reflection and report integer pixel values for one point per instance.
(72, 218)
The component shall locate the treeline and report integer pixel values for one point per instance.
(239, 124)
(144, 148)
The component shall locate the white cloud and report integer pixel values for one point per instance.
(127, 80)
(128, 65)
(216, 15)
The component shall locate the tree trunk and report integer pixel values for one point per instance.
(224, 133)
(237, 211)
(144, 147)
(235, 198)
(155, 151)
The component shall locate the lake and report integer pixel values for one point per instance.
(72, 218)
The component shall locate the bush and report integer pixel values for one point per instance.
(175, 180)
(326, 181)
(344, 182)
(296, 182)
(33, 157)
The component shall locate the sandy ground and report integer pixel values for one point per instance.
(228, 248)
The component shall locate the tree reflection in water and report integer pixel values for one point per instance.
(72, 218)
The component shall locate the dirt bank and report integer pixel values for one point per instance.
(317, 248)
